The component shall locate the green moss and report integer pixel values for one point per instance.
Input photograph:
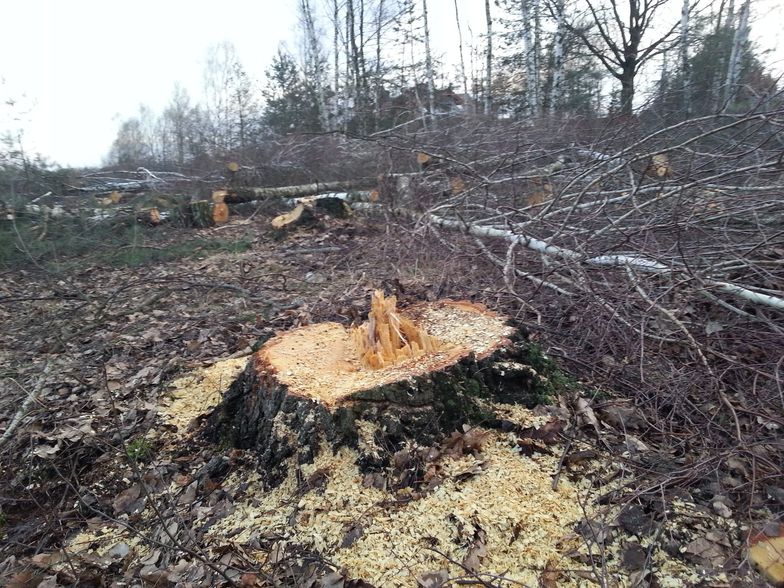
(551, 381)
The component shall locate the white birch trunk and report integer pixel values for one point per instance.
(531, 69)
(538, 52)
(736, 57)
(336, 65)
(379, 23)
(489, 66)
(314, 62)
(431, 89)
(631, 260)
(556, 89)
(685, 67)
(462, 57)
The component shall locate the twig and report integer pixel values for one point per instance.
(23, 410)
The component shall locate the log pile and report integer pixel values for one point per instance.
(405, 376)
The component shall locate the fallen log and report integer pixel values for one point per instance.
(308, 211)
(411, 376)
(237, 195)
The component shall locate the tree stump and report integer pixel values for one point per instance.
(412, 376)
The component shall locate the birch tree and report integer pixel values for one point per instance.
(179, 115)
(314, 61)
(684, 58)
(532, 51)
(431, 89)
(489, 66)
(463, 75)
(556, 88)
(739, 41)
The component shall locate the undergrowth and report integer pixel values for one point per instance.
(64, 245)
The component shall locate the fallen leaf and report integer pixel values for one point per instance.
(433, 579)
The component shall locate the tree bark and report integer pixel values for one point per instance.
(531, 66)
(251, 194)
(627, 91)
(684, 55)
(736, 57)
(558, 58)
(489, 66)
(461, 47)
(431, 89)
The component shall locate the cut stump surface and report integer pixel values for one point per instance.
(314, 385)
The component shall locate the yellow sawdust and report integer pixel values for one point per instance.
(510, 498)
(200, 391)
(101, 540)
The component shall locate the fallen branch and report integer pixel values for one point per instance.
(25, 408)
(633, 261)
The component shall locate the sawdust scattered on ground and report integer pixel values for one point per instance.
(502, 497)
(200, 391)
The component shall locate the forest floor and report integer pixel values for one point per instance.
(108, 481)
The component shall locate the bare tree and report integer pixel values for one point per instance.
(684, 58)
(532, 51)
(314, 62)
(620, 27)
(489, 66)
(739, 41)
(556, 88)
(429, 74)
(463, 75)
(179, 117)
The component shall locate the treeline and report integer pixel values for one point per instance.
(364, 66)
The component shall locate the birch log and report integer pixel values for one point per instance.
(630, 260)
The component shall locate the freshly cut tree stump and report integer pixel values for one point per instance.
(404, 376)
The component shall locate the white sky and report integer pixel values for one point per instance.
(78, 67)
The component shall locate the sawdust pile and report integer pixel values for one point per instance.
(200, 391)
(497, 510)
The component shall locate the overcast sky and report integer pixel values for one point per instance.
(78, 67)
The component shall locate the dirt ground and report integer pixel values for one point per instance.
(108, 480)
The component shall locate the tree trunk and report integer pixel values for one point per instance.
(736, 57)
(531, 67)
(558, 58)
(378, 82)
(431, 89)
(489, 67)
(460, 46)
(627, 91)
(385, 384)
(685, 66)
(252, 194)
(336, 72)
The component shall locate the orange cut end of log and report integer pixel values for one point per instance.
(220, 213)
